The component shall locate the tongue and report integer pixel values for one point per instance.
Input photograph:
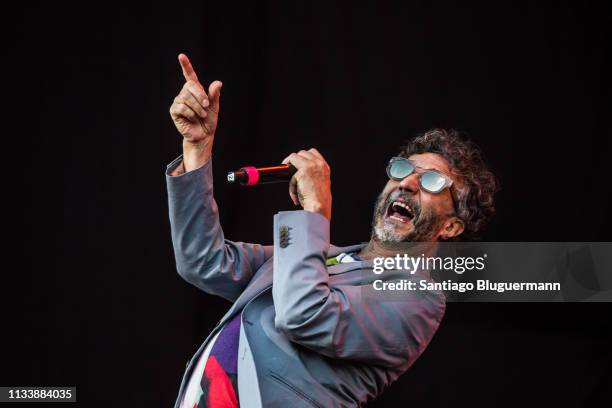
(402, 217)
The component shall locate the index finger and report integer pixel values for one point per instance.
(296, 160)
(188, 71)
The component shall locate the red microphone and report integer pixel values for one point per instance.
(250, 176)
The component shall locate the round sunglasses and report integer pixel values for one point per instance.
(430, 180)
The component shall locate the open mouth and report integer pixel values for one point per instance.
(400, 211)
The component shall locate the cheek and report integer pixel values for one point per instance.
(389, 188)
(438, 204)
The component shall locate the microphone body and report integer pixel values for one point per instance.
(250, 176)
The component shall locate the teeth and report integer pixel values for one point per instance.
(400, 204)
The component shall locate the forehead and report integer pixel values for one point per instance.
(431, 161)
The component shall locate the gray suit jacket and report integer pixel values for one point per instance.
(309, 336)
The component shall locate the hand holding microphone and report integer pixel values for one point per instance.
(310, 186)
(309, 179)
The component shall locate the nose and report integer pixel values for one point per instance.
(410, 183)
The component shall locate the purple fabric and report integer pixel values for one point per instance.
(225, 348)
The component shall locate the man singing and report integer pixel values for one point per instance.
(299, 332)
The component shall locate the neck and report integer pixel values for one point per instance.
(379, 249)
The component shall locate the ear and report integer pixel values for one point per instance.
(452, 227)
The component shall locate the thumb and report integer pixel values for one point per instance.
(214, 95)
(293, 192)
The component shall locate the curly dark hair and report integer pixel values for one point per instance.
(474, 199)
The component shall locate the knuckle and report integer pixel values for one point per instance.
(192, 106)
(186, 111)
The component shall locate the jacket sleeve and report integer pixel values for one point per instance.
(338, 321)
(204, 257)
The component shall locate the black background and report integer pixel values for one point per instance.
(90, 294)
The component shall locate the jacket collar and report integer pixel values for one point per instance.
(350, 266)
(336, 250)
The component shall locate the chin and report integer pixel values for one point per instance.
(389, 232)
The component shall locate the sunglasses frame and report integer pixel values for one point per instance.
(420, 171)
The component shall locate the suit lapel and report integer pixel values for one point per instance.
(261, 281)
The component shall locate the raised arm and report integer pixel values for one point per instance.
(337, 321)
(203, 256)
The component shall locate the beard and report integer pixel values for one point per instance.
(423, 224)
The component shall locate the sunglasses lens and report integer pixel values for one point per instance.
(400, 169)
(432, 181)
